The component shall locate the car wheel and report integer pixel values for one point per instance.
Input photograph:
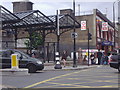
(31, 68)
(119, 68)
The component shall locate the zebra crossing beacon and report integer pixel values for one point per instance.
(57, 63)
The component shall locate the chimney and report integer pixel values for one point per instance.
(67, 11)
(22, 5)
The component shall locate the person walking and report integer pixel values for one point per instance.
(99, 55)
(109, 58)
(64, 57)
(102, 59)
(92, 57)
(106, 60)
(85, 58)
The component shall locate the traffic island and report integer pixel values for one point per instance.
(14, 72)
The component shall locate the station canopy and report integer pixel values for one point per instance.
(35, 19)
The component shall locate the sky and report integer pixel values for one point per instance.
(49, 7)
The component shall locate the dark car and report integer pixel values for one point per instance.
(25, 61)
(115, 62)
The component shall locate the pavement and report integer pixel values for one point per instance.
(50, 67)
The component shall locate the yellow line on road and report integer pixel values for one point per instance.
(35, 84)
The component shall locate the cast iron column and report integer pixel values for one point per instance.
(15, 38)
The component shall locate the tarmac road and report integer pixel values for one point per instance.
(99, 77)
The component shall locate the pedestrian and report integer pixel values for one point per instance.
(109, 58)
(102, 59)
(34, 55)
(64, 57)
(85, 59)
(106, 60)
(95, 58)
(92, 57)
(99, 55)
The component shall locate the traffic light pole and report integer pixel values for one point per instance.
(88, 46)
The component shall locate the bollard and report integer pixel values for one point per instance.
(14, 61)
(57, 58)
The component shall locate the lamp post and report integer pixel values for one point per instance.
(58, 31)
(74, 46)
(114, 21)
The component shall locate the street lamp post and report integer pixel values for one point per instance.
(74, 46)
(114, 21)
(58, 32)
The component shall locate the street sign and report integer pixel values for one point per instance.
(74, 35)
(104, 26)
(83, 25)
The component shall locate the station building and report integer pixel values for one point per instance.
(103, 40)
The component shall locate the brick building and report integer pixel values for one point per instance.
(103, 40)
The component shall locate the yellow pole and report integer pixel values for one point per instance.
(14, 61)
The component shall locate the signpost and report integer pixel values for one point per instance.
(74, 35)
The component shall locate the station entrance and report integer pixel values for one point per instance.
(35, 21)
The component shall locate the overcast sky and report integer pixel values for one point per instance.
(49, 7)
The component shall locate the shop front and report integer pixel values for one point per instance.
(107, 46)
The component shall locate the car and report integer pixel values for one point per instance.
(115, 61)
(25, 61)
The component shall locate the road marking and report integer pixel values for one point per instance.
(35, 84)
(57, 78)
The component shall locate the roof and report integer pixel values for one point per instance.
(35, 19)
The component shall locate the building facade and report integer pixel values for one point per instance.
(101, 39)
(106, 40)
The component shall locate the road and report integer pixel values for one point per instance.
(100, 77)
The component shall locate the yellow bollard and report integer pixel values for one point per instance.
(14, 61)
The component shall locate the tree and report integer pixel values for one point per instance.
(35, 42)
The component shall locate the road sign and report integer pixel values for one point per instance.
(74, 35)
(104, 26)
(83, 25)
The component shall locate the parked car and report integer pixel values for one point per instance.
(115, 62)
(25, 61)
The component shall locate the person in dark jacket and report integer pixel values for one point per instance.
(92, 57)
(99, 55)
(104, 59)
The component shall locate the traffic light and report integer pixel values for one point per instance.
(89, 36)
